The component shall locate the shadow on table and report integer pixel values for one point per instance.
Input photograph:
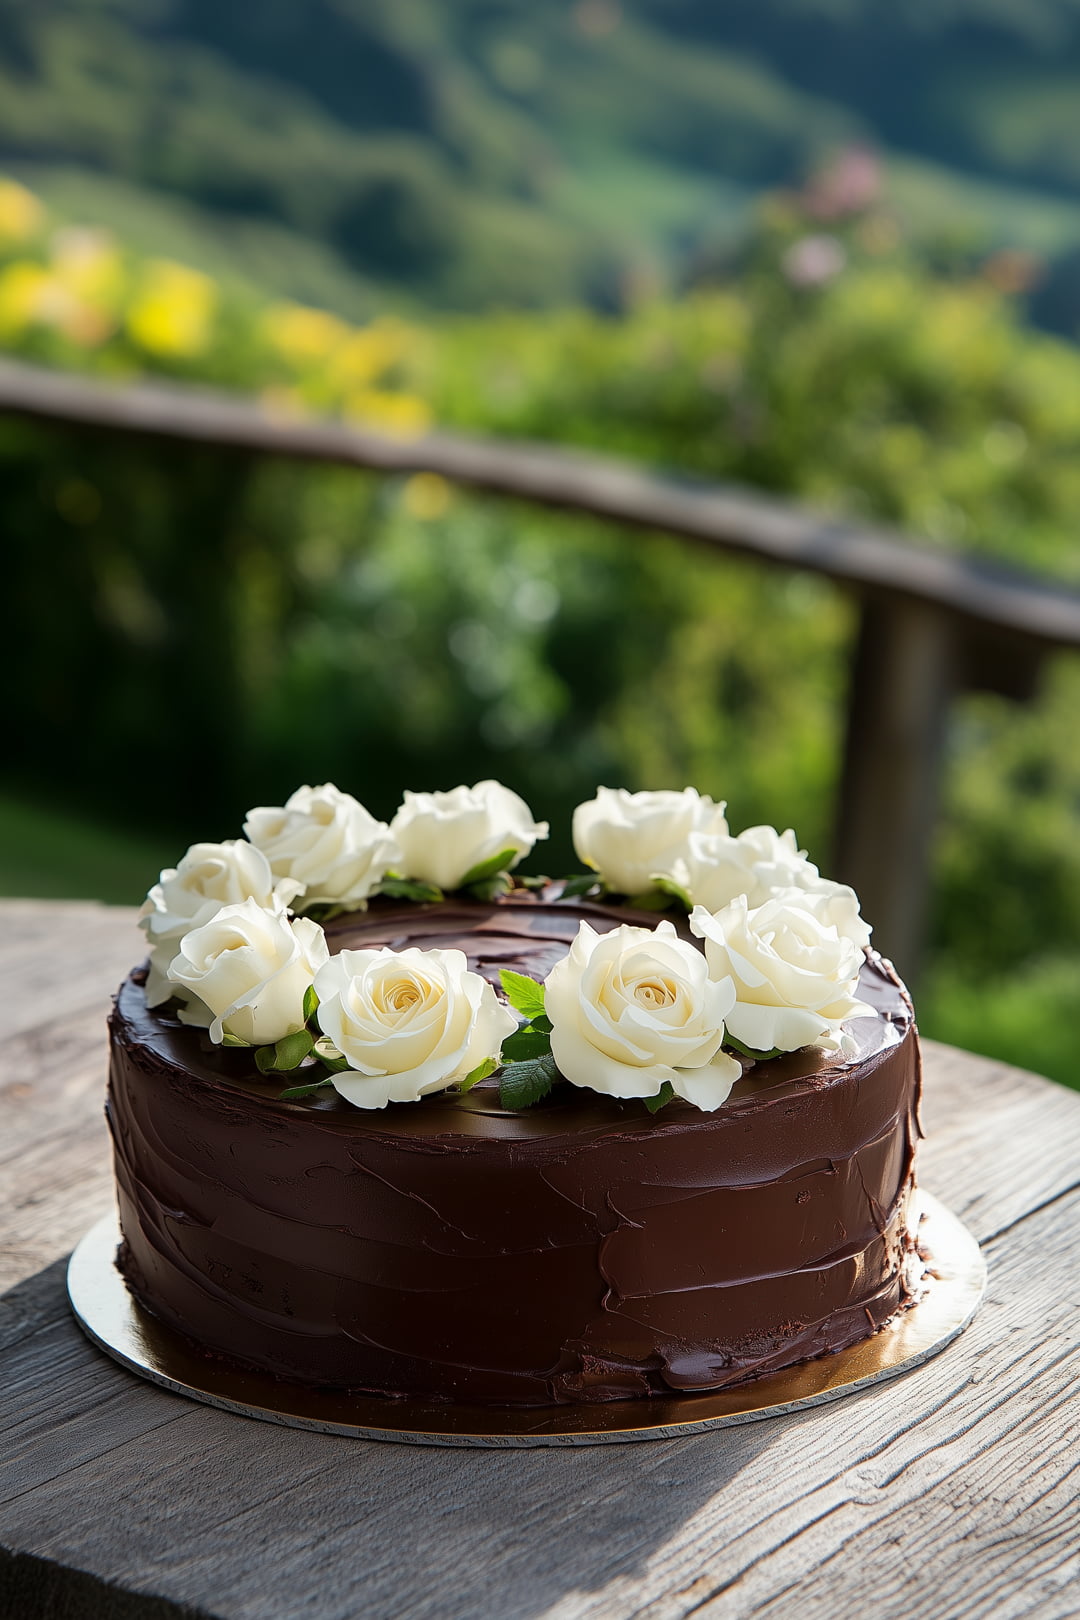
(35, 1589)
(240, 1518)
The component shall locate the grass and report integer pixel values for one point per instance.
(1027, 1017)
(48, 854)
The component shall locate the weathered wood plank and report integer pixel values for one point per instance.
(58, 978)
(33, 1587)
(76, 1170)
(1000, 1143)
(35, 1302)
(29, 926)
(64, 1409)
(66, 962)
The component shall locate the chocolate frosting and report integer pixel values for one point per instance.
(579, 1250)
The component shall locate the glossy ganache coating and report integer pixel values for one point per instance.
(580, 1250)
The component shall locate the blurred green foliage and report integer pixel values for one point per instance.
(527, 152)
(196, 633)
(48, 853)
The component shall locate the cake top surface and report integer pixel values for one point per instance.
(391, 962)
(528, 933)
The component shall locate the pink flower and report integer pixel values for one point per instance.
(813, 260)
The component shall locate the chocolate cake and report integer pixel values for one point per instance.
(580, 1250)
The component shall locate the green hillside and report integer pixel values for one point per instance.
(469, 153)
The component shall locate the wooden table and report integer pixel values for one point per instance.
(951, 1492)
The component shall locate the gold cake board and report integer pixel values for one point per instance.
(108, 1315)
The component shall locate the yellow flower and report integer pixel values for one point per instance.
(303, 335)
(405, 415)
(88, 261)
(32, 295)
(426, 496)
(23, 288)
(77, 293)
(21, 215)
(173, 311)
(369, 352)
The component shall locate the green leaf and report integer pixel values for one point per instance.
(323, 911)
(528, 882)
(311, 1003)
(326, 1053)
(291, 1050)
(488, 868)
(303, 1091)
(662, 1098)
(490, 888)
(523, 1084)
(233, 1040)
(527, 1043)
(524, 994)
(649, 900)
(474, 1076)
(287, 1054)
(748, 1051)
(580, 883)
(410, 889)
(668, 886)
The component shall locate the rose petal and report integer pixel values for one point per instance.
(709, 1086)
(763, 1028)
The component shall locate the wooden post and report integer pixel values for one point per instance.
(906, 670)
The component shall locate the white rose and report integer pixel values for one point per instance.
(185, 896)
(834, 904)
(636, 1007)
(715, 869)
(325, 841)
(408, 1022)
(795, 976)
(756, 863)
(760, 864)
(443, 836)
(250, 970)
(630, 838)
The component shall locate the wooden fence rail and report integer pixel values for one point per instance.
(933, 623)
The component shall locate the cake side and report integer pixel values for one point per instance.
(577, 1251)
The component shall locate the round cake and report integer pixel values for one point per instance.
(580, 1250)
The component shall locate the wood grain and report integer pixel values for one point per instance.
(55, 1176)
(951, 1492)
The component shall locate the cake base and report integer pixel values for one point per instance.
(110, 1317)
